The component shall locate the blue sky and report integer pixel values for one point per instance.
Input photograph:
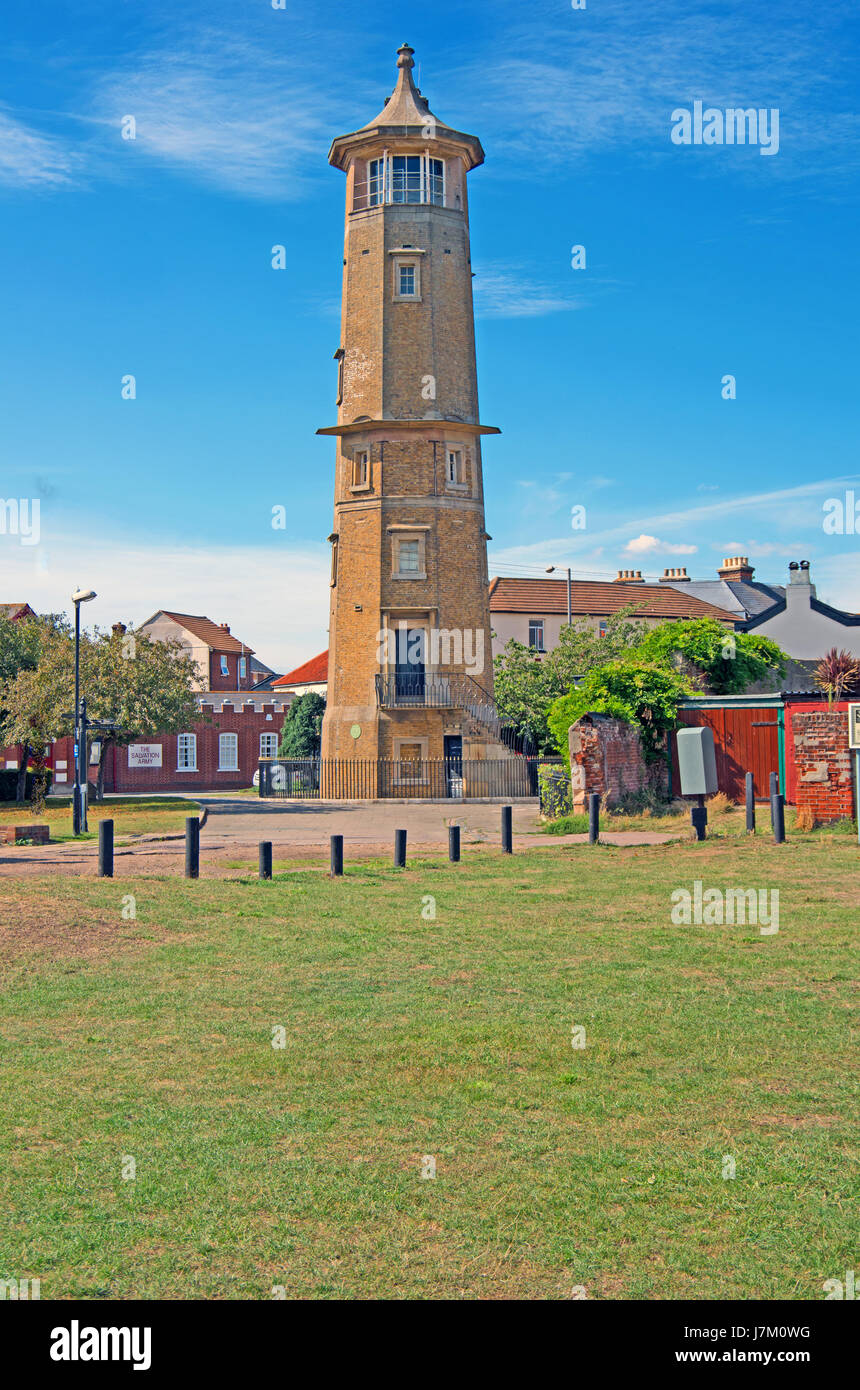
(153, 257)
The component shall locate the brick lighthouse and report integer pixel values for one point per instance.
(410, 666)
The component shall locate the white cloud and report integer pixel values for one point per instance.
(251, 118)
(31, 160)
(275, 598)
(505, 293)
(644, 545)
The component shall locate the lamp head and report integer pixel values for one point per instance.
(83, 595)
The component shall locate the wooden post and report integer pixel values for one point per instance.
(265, 859)
(750, 793)
(106, 849)
(336, 856)
(400, 849)
(454, 843)
(507, 829)
(593, 817)
(192, 847)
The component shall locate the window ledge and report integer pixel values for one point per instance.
(359, 487)
(186, 769)
(409, 576)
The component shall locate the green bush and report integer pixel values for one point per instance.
(9, 784)
(643, 693)
(554, 789)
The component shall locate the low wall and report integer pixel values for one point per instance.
(606, 757)
(823, 763)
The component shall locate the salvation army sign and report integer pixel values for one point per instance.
(144, 755)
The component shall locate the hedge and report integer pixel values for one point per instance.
(9, 783)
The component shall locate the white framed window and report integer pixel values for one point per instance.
(361, 468)
(603, 628)
(268, 745)
(409, 557)
(405, 178)
(228, 752)
(243, 667)
(536, 634)
(186, 753)
(225, 669)
(407, 277)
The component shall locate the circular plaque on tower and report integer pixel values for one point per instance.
(355, 731)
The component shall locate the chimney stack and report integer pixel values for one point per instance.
(736, 567)
(676, 576)
(224, 626)
(629, 577)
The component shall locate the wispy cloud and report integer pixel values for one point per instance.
(502, 292)
(612, 79)
(32, 160)
(232, 113)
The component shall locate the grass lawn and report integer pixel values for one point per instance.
(408, 1039)
(132, 815)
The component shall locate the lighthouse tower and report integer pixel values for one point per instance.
(410, 668)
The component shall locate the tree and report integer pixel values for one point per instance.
(644, 693)
(36, 703)
(527, 682)
(302, 730)
(143, 687)
(729, 662)
(838, 675)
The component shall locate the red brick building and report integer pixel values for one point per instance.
(219, 751)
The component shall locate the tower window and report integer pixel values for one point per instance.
(406, 281)
(405, 178)
(408, 556)
(454, 474)
(361, 469)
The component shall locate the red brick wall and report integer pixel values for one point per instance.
(606, 757)
(823, 763)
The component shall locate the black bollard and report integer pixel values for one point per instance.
(454, 843)
(593, 818)
(699, 817)
(336, 856)
(507, 830)
(777, 815)
(750, 804)
(400, 849)
(192, 847)
(265, 859)
(106, 849)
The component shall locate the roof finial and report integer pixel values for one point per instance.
(404, 56)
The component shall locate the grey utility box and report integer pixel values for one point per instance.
(697, 762)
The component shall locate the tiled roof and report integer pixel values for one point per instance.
(15, 610)
(313, 672)
(745, 597)
(596, 599)
(218, 638)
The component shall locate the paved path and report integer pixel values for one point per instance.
(301, 830)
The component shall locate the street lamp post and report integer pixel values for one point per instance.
(550, 569)
(78, 597)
